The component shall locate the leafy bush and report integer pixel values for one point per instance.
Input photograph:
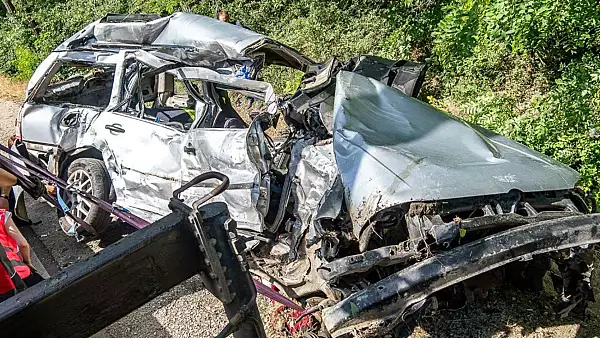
(528, 69)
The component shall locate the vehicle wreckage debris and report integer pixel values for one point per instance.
(395, 293)
(372, 205)
(384, 256)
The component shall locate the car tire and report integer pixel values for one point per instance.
(93, 178)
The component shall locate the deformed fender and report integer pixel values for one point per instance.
(393, 295)
(66, 158)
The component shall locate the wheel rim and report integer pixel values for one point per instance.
(81, 180)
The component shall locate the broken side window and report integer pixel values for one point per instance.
(174, 103)
(80, 84)
(174, 93)
(161, 98)
(285, 80)
(221, 101)
(236, 108)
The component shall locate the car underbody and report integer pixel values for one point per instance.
(373, 207)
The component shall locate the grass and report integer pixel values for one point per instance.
(12, 90)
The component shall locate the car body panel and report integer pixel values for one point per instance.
(316, 189)
(392, 149)
(42, 123)
(144, 161)
(198, 40)
(225, 151)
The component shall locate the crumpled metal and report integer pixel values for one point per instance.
(392, 149)
(314, 174)
(187, 38)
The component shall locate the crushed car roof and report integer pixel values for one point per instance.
(198, 36)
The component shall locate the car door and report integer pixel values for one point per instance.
(143, 159)
(238, 152)
(224, 151)
(142, 153)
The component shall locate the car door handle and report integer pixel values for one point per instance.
(115, 128)
(189, 149)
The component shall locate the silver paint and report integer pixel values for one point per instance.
(392, 149)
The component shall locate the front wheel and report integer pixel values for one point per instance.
(88, 175)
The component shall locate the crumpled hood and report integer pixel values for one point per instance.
(392, 149)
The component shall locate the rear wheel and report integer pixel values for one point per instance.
(88, 175)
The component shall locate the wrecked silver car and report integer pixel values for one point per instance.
(372, 206)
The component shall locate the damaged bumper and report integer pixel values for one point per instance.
(393, 295)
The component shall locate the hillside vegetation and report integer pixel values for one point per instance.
(528, 69)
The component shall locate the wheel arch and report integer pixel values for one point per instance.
(67, 158)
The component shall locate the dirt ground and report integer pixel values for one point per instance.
(189, 311)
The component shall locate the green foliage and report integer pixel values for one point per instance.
(25, 62)
(562, 122)
(525, 69)
(528, 69)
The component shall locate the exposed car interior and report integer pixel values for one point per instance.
(80, 84)
(161, 98)
(175, 103)
(226, 115)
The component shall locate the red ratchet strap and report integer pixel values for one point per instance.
(276, 296)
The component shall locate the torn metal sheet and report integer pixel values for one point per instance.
(314, 174)
(225, 151)
(74, 126)
(179, 29)
(392, 295)
(192, 39)
(263, 90)
(392, 149)
(152, 60)
(329, 209)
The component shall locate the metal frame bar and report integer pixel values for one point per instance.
(96, 292)
(393, 295)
